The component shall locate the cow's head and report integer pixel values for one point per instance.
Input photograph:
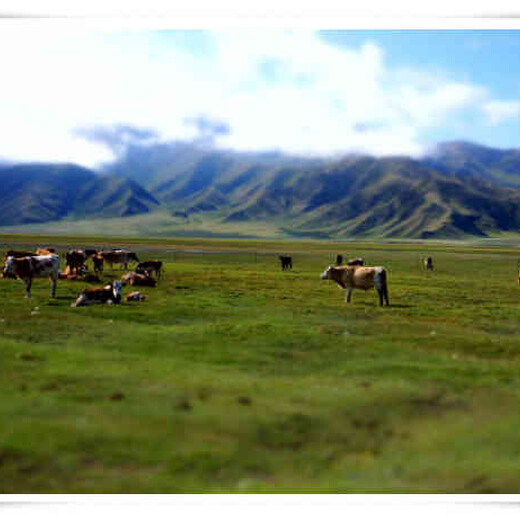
(336, 274)
(327, 274)
(116, 290)
(133, 256)
(7, 271)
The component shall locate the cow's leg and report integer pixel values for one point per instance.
(380, 291)
(348, 294)
(385, 293)
(28, 283)
(53, 287)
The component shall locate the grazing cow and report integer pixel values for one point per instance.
(354, 277)
(355, 261)
(339, 259)
(97, 262)
(149, 267)
(286, 262)
(30, 267)
(428, 263)
(75, 259)
(118, 256)
(138, 279)
(19, 254)
(135, 296)
(110, 293)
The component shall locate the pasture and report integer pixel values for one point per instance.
(236, 377)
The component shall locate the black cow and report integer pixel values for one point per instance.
(285, 262)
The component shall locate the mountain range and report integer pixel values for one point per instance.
(459, 189)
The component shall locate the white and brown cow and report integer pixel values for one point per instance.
(109, 293)
(138, 279)
(354, 277)
(29, 267)
(118, 256)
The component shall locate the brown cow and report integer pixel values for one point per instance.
(150, 266)
(118, 256)
(75, 259)
(354, 277)
(30, 267)
(110, 293)
(97, 262)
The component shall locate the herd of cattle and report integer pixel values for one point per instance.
(26, 266)
(43, 263)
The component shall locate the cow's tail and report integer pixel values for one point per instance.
(382, 287)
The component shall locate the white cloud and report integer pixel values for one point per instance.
(497, 112)
(274, 90)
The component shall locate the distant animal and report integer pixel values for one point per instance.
(75, 259)
(97, 262)
(45, 251)
(428, 263)
(355, 277)
(19, 254)
(339, 259)
(110, 294)
(118, 256)
(138, 279)
(150, 266)
(135, 296)
(285, 262)
(356, 261)
(29, 267)
(90, 252)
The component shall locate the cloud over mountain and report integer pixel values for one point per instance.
(257, 90)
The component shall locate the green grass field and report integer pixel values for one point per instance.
(237, 377)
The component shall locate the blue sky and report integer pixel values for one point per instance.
(484, 57)
(68, 94)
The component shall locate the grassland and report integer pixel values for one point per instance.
(236, 377)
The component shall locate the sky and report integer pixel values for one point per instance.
(82, 95)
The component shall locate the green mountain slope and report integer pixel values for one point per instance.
(32, 193)
(461, 189)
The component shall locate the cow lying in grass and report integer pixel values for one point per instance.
(89, 278)
(135, 296)
(110, 293)
(354, 277)
(30, 267)
(136, 279)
